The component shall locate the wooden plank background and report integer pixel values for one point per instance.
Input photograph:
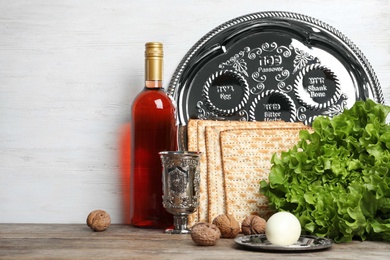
(69, 71)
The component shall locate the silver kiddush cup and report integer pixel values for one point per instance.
(180, 187)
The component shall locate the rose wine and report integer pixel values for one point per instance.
(153, 130)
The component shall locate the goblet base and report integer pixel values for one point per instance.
(180, 225)
(177, 231)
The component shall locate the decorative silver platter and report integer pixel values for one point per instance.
(305, 243)
(271, 66)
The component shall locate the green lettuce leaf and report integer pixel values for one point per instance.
(336, 179)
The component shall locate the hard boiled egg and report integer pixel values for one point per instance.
(283, 229)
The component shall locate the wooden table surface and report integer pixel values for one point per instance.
(56, 241)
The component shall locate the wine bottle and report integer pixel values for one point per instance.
(153, 130)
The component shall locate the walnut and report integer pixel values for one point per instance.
(253, 224)
(228, 225)
(205, 234)
(98, 220)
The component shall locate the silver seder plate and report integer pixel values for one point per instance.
(271, 66)
(304, 243)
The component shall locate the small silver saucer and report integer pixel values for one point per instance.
(305, 243)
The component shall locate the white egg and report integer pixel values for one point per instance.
(283, 229)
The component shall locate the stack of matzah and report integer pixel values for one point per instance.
(236, 157)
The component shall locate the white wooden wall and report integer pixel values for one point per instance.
(70, 69)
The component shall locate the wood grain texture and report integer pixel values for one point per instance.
(69, 71)
(56, 241)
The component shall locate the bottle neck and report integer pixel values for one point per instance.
(153, 65)
(153, 84)
(153, 69)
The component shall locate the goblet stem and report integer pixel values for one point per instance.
(180, 223)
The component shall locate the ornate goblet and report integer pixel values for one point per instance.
(180, 187)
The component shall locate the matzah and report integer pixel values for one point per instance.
(216, 183)
(192, 139)
(246, 156)
(202, 212)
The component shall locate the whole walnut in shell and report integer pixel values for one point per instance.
(253, 224)
(98, 220)
(205, 234)
(228, 225)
